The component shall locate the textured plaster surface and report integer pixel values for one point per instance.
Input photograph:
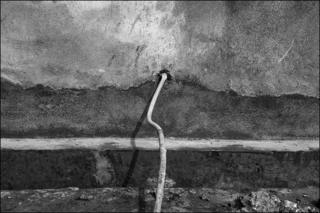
(254, 48)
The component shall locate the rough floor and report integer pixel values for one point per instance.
(175, 200)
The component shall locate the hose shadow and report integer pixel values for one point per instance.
(133, 137)
(142, 200)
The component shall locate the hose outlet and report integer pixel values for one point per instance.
(169, 76)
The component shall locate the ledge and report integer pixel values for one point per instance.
(112, 143)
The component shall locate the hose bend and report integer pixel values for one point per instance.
(163, 151)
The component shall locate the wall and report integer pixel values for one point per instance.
(253, 48)
(87, 69)
(238, 171)
(243, 70)
(184, 109)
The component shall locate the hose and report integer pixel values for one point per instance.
(163, 151)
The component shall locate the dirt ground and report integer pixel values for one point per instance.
(176, 200)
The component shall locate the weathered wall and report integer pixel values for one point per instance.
(86, 69)
(183, 110)
(253, 48)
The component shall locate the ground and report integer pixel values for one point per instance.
(175, 200)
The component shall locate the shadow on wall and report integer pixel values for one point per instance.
(133, 136)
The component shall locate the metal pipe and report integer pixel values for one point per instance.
(163, 151)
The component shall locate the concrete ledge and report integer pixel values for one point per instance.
(112, 143)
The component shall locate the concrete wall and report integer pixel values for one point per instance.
(74, 69)
(86, 68)
(253, 48)
(238, 171)
(183, 109)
